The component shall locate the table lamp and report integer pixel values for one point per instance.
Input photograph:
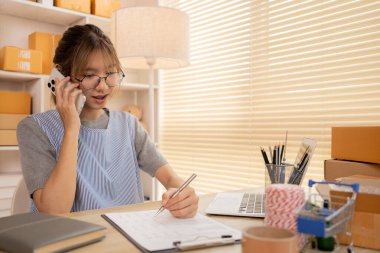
(151, 37)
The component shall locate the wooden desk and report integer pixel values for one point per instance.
(116, 242)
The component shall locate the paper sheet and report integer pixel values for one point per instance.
(159, 233)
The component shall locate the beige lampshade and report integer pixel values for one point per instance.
(157, 34)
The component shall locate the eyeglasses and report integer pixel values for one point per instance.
(92, 81)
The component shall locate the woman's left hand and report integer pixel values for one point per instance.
(184, 205)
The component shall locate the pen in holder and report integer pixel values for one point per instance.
(279, 172)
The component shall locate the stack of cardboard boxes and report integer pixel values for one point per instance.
(103, 8)
(356, 154)
(14, 106)
(38, 59)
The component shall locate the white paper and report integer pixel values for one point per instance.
(159, 233)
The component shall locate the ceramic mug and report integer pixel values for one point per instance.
(267, 239)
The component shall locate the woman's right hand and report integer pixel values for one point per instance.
(65, 98)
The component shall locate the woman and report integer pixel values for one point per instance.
(75, 162)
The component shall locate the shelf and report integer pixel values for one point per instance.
(19, 76)
(8, 148)
(135, 86)
(44, 13)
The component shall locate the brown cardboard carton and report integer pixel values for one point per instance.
(57, 38)
(75, 5)
(21, 60)
(104, 8)
(13, 102)
(46, 43)
(10, 121)
(356, 143)
(8, 138)
(337, 168)
(366, 218)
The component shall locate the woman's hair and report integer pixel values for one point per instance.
(77, 44)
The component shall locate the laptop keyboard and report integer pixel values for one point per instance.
(252, 203)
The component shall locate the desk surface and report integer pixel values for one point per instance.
(116, 242)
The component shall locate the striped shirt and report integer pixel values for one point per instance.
(107, 168)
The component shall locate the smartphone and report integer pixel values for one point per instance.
(79, 101)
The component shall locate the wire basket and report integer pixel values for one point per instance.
(326, 216)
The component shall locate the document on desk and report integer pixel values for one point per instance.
(165, 233)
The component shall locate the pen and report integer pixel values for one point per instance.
(270, 153)
(267, 164)
(284, 146)
(265, 157)
(222, 240)
(183, 186)
(299, 168)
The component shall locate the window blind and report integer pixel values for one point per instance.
(259, 69)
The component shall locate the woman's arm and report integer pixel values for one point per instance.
(185, 204)
(58, 193)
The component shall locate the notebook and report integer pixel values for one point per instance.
(249, 204)
(165, 233)
(38, 232)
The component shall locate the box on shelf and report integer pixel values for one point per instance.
(21, 60)
(75, 5)
(15, 102)
(366, 218)
(104, 8)
(337, 168)
(8, 138)
(46, 43)
(10, 121)
(356, 143)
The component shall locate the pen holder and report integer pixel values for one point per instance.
(280, 174)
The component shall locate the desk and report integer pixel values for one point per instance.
(116, 242)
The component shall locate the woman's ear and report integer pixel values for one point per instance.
(59, 67)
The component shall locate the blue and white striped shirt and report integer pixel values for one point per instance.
(107, 168)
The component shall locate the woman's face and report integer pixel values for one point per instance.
(97, 93)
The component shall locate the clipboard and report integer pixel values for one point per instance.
(159, 230)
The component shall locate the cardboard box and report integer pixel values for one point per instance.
(57, 38)
(10, 121)
(75, 5)
(13, 102)
(334, 169)
(21, 60)
(46, 43)
(366, 219)
(356, 143)
(8, 138)
(104, 8)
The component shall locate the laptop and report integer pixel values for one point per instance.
(252, 204)
(248, 204)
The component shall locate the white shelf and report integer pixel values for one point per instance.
(19, 76)
(44, 13)
(8, 148)
(18, 18)
(135, 86)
